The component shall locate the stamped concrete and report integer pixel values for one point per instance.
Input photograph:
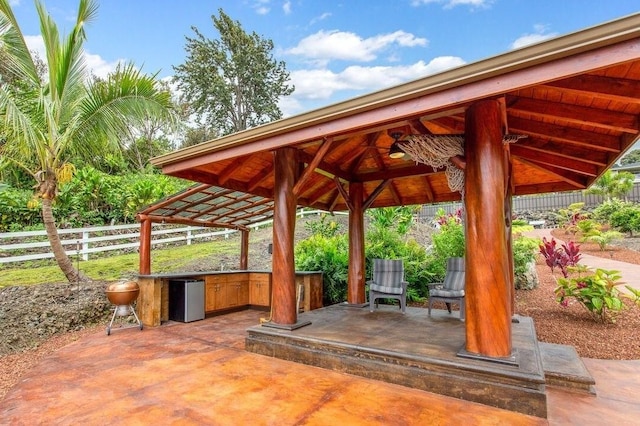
(199, 374)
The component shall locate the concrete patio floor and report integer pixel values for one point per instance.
(199, 373)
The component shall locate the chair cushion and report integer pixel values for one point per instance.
(388, 275)
(454, 280)
(446, 293)
(386, 289)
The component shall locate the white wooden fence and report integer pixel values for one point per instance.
(34, 245)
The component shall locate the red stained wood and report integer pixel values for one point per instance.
(356, 275)
(244, 250)
(284, 219)
(488, 297)
(145, 245)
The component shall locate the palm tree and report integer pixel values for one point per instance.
(66, 114)
(612, 185)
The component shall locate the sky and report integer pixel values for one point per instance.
(333, 50)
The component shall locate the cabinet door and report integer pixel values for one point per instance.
(243, 293)
(260, 290)
(210, 296)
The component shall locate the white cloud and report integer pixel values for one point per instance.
(448, 4)
(261, 7)
(96, 64)
(286, 7)
(540, 34)
(324, 46)
(323, 84)
(320, 18)
(14, 3)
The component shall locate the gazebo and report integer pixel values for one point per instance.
(545, 118)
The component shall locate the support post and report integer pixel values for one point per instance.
(356, 276)
(145, 246)
(244, 250)
(284, 219)
(488, 296)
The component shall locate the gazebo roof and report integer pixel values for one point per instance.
(212, 206)
(576, 98)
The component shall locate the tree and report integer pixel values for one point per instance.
(232, 83)
(612, 185)
(631, 158)
(67, 114)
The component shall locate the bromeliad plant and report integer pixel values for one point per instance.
(597, 292)
(568, 255)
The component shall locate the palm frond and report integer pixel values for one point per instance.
(127, 97)
(18, 55)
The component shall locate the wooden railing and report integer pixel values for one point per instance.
(34, 245)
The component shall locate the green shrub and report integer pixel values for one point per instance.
(596, 292)
(447, 242)
(626, 219)
(329, 255)
(603, 212)
(15, 215)
(524, 252)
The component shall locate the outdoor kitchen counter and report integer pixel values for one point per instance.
(225, 291)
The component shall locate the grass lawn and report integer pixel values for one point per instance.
(119, 267)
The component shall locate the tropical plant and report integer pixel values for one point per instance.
(232, 83)
(627, 219)
(612, 185)
(398, 219)
(603, 239)
(47, 121)
(562, 257)
(596, 292)
(604, 211)
(570, 217)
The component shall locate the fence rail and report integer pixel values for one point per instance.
(34, 245)
(536, 203)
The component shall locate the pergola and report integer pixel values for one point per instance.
(576, 98)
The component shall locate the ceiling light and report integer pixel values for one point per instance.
(395, 151)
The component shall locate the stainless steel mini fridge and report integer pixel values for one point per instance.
(186, 300)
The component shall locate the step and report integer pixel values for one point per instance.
(564, 368)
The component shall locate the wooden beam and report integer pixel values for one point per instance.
(581, 115)
(564, 134)
(259, 177)
(356, 269)
(573, 165)
(563, 150)
(311, 167)
(577, 181)
(344, 193)
(375, 194)
(231, 169)
(410, 170)
(186, 221)
(427, 188)
(244, 250)
(599, 86)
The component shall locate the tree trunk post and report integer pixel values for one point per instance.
(356, 276)
(488, 296)
(244, 250)
(145, 246)
(284, 219)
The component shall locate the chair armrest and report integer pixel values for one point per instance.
(433, 284)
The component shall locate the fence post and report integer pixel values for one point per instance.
(85, 245)
(189, 236)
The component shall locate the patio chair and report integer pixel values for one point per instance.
(387, 283)
(452, 289)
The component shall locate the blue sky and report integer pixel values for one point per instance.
(334, 50)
